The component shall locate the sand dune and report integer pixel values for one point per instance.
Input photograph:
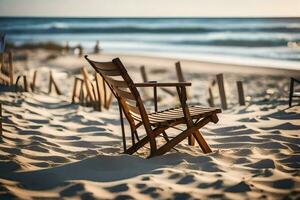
(53, 149)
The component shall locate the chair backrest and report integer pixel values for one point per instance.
(122, 86)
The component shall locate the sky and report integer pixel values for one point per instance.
(151, 8)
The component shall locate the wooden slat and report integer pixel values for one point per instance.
(116, 83)
(11, 69)
(143, 73)
(0, 120)
(74, 90)
(127, 95)
(32, 85)
(106, 66)
(152, 84)
(161, 119)
(133, 109)
(177, 114)
(88, 85)
(109, 100)
(110, 73)
(191, 108)
(81, 93)
(25, 83)
(166, 116)
(220, 81)
(99, 91)
(211, 97)
(100, 87)
(240, 92)
(1, 61)
(52, 82)
(296, 94)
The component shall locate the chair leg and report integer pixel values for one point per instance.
(202, 142)
(123, 129)
(191, 140)
(153, 147)
(166, 147)
(132, 135)
(165, 136)
(145, 140)
(291, 92)
(137, 145)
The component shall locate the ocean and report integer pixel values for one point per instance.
(258, 41)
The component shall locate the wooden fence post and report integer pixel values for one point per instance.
(291, 92)
(110, 99)
(240, 92)
(88, 86)
(2, 61)
(220, 81)
(11, 69)
(1, 120)
(55, 86)
(74, 90)
(25, 83)
(51, 81)
(144, 74)
(81, 93)
(211, 98)
(32, 85)
(100, 91)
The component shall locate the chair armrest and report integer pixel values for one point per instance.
(154, 84)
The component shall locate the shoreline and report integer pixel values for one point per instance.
(197, 65)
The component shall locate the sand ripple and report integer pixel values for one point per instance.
(51, 149)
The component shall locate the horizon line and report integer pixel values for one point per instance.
(166, 17)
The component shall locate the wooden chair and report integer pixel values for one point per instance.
(155, 123)
(292, 93)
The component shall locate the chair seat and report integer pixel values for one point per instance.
(176, 114)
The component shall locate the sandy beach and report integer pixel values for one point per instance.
(53, 149)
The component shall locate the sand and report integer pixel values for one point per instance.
(53, 149)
